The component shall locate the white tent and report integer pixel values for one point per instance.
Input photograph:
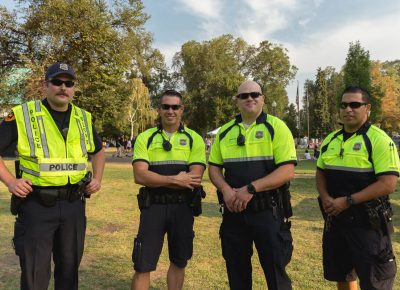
(213, 132)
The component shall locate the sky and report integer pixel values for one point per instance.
(316, 33)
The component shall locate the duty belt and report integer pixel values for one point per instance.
(49, 196)
(165, 198)
(263, 200)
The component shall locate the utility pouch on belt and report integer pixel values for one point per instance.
(144, 198)
(286, 204)
(195, 203)
(48, 197)
(379, 212)
(16, 201)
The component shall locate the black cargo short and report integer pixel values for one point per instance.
(349, 252)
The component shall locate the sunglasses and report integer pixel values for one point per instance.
(58, 83)
(352, 105)
(168, 106)
(245, 96)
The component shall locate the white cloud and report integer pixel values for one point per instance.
(204, 8)
(329, 48)
(304, 21)
(209, 13)
(262, 18)
(317, 3)
(168, 50)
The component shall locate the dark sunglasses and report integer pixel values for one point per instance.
(353, 105)
(58, 83)
(244, 96)
(168, 106)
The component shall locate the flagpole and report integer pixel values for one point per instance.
(298, 111)
(308, 117)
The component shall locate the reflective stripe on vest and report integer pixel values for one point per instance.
(63, 162)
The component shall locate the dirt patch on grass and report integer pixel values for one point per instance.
(110, 228)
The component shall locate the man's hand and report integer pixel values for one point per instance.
(93, 186)
(243, 197)
(187, 180)
(20, 187)
(229, 195)
(336, 206)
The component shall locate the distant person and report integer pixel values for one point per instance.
(307, 155)
(316, 151)
(208, 144)
(356, 171)
(120, 147)
(47, 193)
(128, 147)
(169, 161)
(251, 162)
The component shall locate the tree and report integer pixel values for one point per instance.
(105, 45)
(138, 108)
(269, 65)
(211, 72)
(386, 80)
(357, 71)
(290, 119)
(321, 108)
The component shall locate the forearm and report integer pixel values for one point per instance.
(5, 175)
(383, 186)
(197, 169)
(275, 179)
(152, 179)
(216, 177)
(98, 162)
(320, 181)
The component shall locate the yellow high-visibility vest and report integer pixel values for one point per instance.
(45, 157)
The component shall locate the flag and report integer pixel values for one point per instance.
(297, 98)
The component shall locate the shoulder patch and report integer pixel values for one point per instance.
(10, 117)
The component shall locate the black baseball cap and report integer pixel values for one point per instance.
(58, 69)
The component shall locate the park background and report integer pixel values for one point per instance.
(113, 220)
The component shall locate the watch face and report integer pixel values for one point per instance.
(251, 189)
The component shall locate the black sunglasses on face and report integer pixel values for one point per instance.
(244, 96)
(58, 83)
(168, 106)
(353, 105)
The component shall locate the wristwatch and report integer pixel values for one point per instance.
(349, 200)
(251, 189)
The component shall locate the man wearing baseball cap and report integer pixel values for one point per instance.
(53, 138)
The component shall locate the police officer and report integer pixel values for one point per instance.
(357, 168)
(169, 160)
(53, 138)
(257, 153)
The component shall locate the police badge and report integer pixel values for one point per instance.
(259, 134)
(357, 146)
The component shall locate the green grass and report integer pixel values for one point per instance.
(113, 222)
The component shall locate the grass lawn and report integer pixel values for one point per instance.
(113, 222)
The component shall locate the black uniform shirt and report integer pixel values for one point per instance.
(9, 132)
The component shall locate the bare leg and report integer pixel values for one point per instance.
(352, 285)
(175, 277)
(141, 281)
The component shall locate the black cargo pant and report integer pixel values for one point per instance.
(273, 242)
(39, 232)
